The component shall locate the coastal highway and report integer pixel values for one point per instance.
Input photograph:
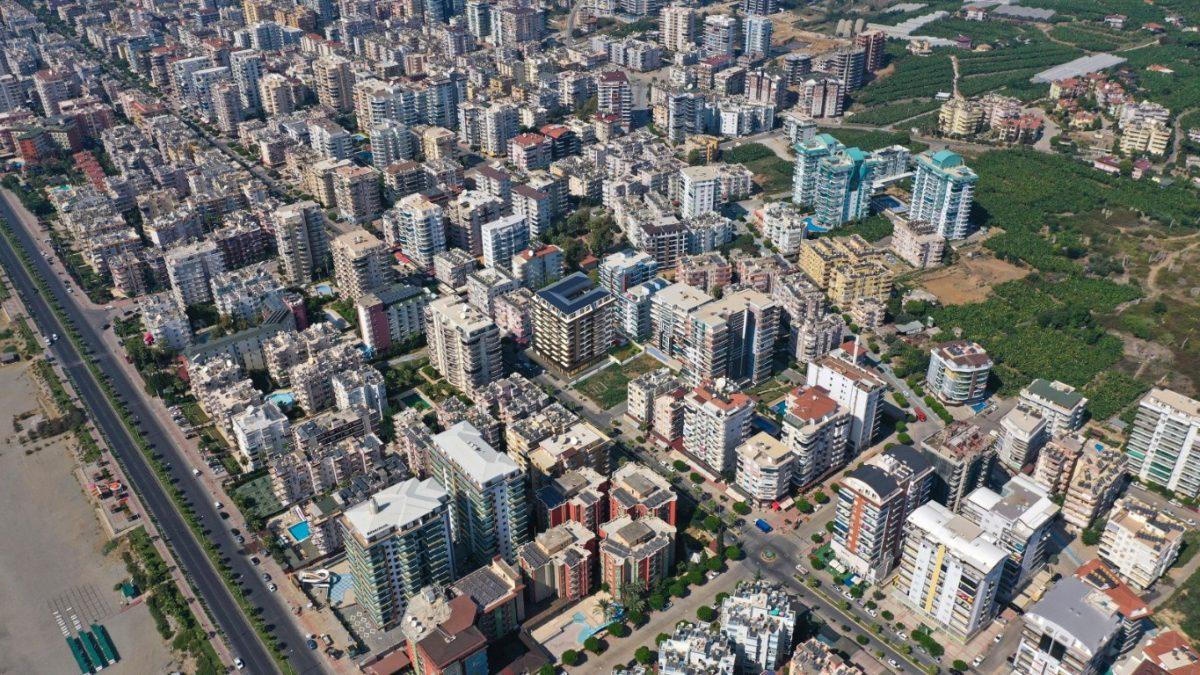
(243, 641)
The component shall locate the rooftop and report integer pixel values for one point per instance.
(396, 507)
(572, 294)
(1083, 613)
(961, 537)
(465, 446)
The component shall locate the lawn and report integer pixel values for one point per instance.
(610, 386)
(895, 112)
(1185, 603)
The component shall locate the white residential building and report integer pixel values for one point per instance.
(700, 190)
(760, 619)
(260, 430)
(1164, 445)
(502, 239)
(715, 425)
(950, 572)
(1017, 519)
(764, 469)
(1140, 542)
(858, 389)
(1059, 404)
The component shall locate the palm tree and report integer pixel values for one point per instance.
(606, 607)
(633, 596)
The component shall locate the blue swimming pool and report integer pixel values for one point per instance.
(300, 531)
(324, 289)
(283, 399)
(780, 408)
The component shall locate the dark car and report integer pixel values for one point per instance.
(311, 644)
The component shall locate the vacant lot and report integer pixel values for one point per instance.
(54, 567)
(970, 279)
(610, 387)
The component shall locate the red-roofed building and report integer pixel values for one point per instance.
(1171, 653)
(714, 425)
(817, 430)
(442, 637)
(530, 151)
(1133, 609)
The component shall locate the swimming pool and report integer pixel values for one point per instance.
(283, 399)
(300, 531)
(780, 408)
(324, 289)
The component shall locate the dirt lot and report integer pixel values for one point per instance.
(970, 279)
(53, 565)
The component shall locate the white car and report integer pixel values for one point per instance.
(998, 638)
(902, 635)
(978, 660)
(239, 664)
(272, 587)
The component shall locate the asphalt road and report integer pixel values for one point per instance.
(233, 623)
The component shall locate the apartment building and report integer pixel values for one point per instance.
(670, 323)
(643, 389)
(391, 316)
(1164, 444)
(489, 513)
(637, 491)
(573, 323)
(442, 632)
(714, 424)
(1023, 432)
(760, 617)
(950, 573)
(259, 431)
(958, 372)
(1056, 463)
(918, 243)
(816, 431)
(615, 97)
(451, 267)
(579, 495)
(765, 466)
(962, 455)
(1140, 542)
(1018, 520)
(580, 445)
(700, 191)
(626, 269)
(1150, 137)
(1096, 480)
(733, 339)
(464, 346)
(360, 387)
(873, 504)
(191, 269)
(1058, 403)
(1132, 607)
(943, 191)
(502, 239)
(318, 466)
(1073, 629)
(960, 117)
(844, 184)
(846, 268)
(397, 542)
(536, 267)
(301, 240)
(312, 378)
(334, 82)
(361, 263)
(487, 285)
(858, 389)
(641, 550)
(695, 649)
(677, 28)
(417, 227)
(558, 563)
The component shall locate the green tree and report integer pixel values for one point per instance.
(820, 497)
(706, 614)
(741, 508)
(960, 665)
(593, 645)
(657, 601)
(712, 523)
(570, 657)
(661, 638)
(733, 553)
(644, 655)
(804, 506)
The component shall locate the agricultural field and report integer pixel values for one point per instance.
(874, 140)
(610, 386)
(1093, 37)
(1108, 305)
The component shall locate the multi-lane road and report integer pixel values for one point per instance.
(209, 586)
